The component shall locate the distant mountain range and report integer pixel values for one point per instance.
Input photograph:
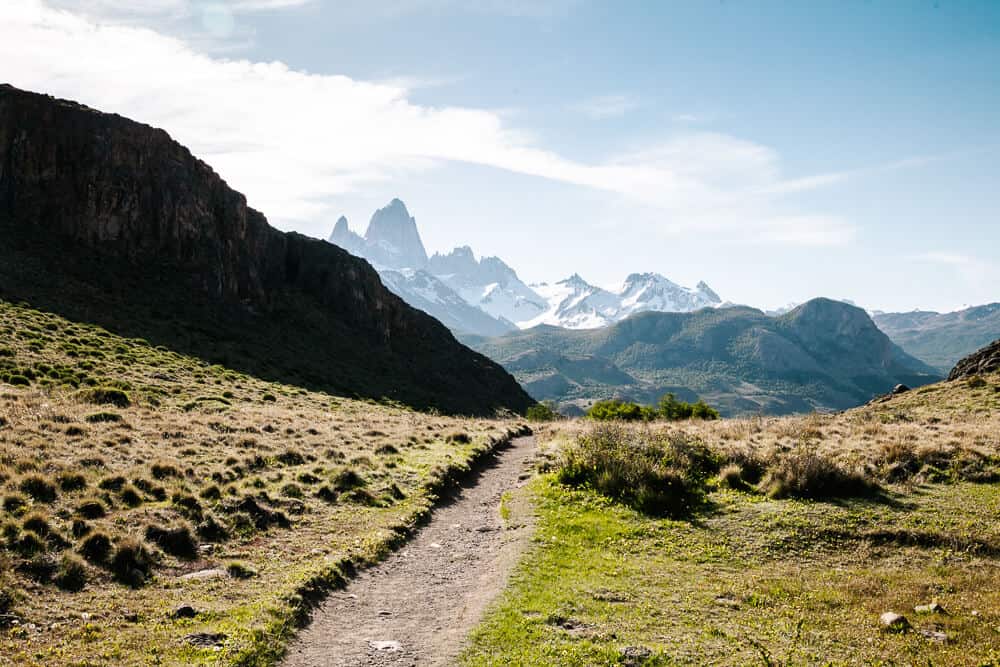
(486, 297)
(941, 339)
(108, 221)
(822, 355)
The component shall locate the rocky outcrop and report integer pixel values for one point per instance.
(986, 360)
(122, 207)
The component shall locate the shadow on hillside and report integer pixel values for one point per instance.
(298, 343)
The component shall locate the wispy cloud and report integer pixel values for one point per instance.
(607, 106)
(971, 269)
(294, 141)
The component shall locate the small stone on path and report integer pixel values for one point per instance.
(387, 645)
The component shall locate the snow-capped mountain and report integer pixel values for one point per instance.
(576, 304)
(487, 283)
(392, 239)
(486, 297)
(426, 292)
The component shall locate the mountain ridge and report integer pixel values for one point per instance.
(111, 221)
(823, 355)
(438, 283)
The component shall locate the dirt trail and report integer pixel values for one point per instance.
(417, 606)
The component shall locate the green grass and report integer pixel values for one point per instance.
(750, 580)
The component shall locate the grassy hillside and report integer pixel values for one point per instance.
(822, 355)
(135, 480)
(795, 536)
(941, 339)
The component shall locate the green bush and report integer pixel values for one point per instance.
(615, 409)
(659, 474)
(106, 396)
(541, 412)
(805, 474)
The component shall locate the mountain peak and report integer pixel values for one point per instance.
(393, 234)
(703, 287)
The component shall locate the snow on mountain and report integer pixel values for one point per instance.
(651, 291)
(486, 297)
(487, 283)
(576, 304)
(426, 292)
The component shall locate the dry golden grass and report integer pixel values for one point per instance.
(299, 483)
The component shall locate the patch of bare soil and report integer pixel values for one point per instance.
(417, 606)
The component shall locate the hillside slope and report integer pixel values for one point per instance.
(106, 220)
(822, 355)
(941, 339)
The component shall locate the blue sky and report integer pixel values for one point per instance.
(776, 150)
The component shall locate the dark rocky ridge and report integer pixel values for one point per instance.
(986, 360)
(110, 220)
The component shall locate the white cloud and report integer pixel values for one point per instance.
(607, 106)
(972, 270)
(293, 141)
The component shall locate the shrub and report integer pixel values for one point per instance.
(326, 494)
(616, 409)
(211, 492)
(805, 474)
(115, 483)
(976, 381)
(459, 438)
(731, 477)
(270, 398)
(348, 479)
(18, 381)
(14, 503)
(72, 574)
(175, 540)
(96, 547)
(39, 488)
(106, 396)
(103, 417)
(130, 496)
(71, 481)
(155, 490)
(40, 568)
(80, 528)
(188, 504)
(211, 530)
(541, 412)
(240, 571)
(163, 470)
(292, 491)
(660, 474)
(131, 563)
(29, 544)
(37, 523)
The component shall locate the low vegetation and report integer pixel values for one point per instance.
(135, 480)
(785, 541)
(668, 409)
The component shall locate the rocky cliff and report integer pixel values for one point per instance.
(986, 360)
(105, 218)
